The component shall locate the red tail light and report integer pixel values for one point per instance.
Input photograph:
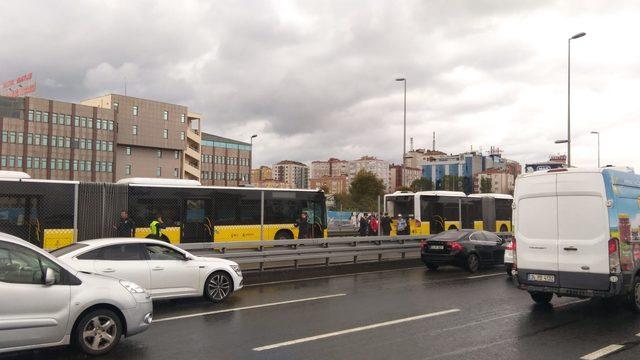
(512, 244)
(422, 244)
(613, 246)
(456, 246)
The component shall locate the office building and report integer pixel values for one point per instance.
(225, 162)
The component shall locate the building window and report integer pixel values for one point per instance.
(19, 161)
(81, 167)
(98, 124)
(30, 139)
(159, 153)
(110, 167)
(45, 117)
(36, 139)
(76, 121)
(38, 116)
(165, 134)
(75, 165)
(67, 120)
(45, 140)
(83, 122)
(135, 110)
(54, 118)
(12, 161)
(115, 106)
(90, 123)
(36, 163)
(103, 166)
(110, 125)
(165, 115)
(127, 150)
(28, 162)
(4, 160)
(82, 144)
(134, 130)
(20, 138)
(159, 171)
(4, 136)
(89, 144)
(110, 146)
(67, 163)
(181, 135)
(67, 142)
(30, 115)
(175, 172)
(176, 154)
(127, 170)
(59, 164)
(183, 118)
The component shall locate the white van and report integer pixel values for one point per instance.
(577, 233)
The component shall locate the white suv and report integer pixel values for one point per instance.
(45, 303)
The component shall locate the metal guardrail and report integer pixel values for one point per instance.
(271, 251)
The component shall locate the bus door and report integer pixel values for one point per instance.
(196, 224)
(18, 217)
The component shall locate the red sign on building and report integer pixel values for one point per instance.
(20, 86)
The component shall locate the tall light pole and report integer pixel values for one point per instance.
(251, 156)
(576, 36)
(404, 139)
(597, 133)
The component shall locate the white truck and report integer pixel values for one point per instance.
(577, 233)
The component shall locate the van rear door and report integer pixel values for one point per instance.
(583, 231)
(536, 225)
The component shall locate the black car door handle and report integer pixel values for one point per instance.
(571, 248)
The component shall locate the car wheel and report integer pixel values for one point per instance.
(473, 263)
(98, 332)
(508, 267)
(218, 287)
(432, 267)
(634, 296)
(541, 297)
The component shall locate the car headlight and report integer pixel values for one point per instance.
(132, 287)
(236, 268)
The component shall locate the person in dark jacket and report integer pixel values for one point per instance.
(364, 225)
(303, 226)
(125, 228)
(385, 225)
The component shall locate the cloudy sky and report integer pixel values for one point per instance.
(315, 79)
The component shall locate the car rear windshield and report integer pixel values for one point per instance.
(67, 249)
(449, 236)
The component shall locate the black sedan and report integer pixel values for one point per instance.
(466, 248)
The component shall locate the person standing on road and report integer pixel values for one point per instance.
(125, 228)
(156, 227)
(364, 225)
(303, 226)
(373, 226)
(403, 227)
(385, 224)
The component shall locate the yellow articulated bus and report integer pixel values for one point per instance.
(53, 214)
(431, 212)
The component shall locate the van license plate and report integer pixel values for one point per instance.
(541, 278)
(436, 247)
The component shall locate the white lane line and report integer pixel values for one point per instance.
(570, 303)
(638, 334)
(602, 352)
(332, 276)
(352, 330)
(247, 307)
(486, 275)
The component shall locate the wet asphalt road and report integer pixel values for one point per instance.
(436, 315)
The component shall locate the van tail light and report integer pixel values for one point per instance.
(456, 246)
(513, 245)
(614, 256)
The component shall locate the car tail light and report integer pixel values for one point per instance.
(456, 246)
(423, 244)
(614, 256)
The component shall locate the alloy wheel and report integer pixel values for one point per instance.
(218, 287)
(99, 332)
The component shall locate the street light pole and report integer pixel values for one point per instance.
(576, 36)
(404, 138)
(597, 133)
(251, 156)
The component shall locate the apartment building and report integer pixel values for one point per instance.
(400, 176)
(261, 174)
(332, 168)
(333, 184)
(502, 181)
(380, 168)
(225, 162)
(294, 174)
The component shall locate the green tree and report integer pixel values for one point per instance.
(421, 184)
(452, 183)
(365, 189)
(485, 185)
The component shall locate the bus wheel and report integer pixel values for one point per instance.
(284, 235)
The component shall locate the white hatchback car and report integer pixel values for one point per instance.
(44, 302)
(165, 270)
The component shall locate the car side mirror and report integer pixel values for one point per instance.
(49, 277)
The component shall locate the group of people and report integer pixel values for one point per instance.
(371, 226)
(127, 228)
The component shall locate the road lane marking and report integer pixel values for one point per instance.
(247, 307)
(353, 330)
(638, 334)
(570, 303)
(602, 352)
(486, 275)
